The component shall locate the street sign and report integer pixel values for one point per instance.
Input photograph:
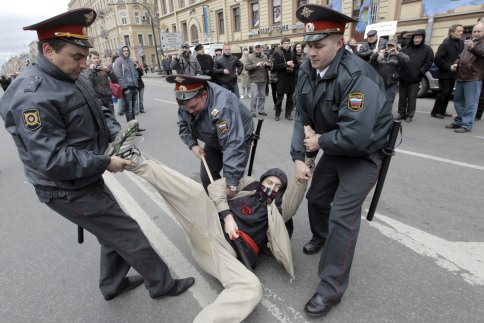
(170, 40)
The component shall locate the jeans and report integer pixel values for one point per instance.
(108, 103)
(140, 107)
(391, 91)
(258, 99)
(234, 88)
(130, 99)
(120, 106)
(407, 101)
(466, 99)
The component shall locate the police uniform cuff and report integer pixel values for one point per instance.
(298, 156)
(223, 214)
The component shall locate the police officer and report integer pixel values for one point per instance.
(61, 131)
(340, 102)
(214, 115)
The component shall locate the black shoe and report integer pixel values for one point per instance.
(400, 117)
(319, 305)
(477, 118)
(142, 111)
(277, 118)
(452, 126)
(141, 129)
(447, 115)
(313, 247)
(408, 119)
(181, 285)
(437, 115)
(254, 115)
(289, 118)
(130, 283)
(262, 113)
(462, 130)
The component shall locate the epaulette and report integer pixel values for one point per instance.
(33, 84)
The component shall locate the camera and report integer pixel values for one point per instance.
(97, 68)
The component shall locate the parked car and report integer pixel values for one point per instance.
(430, 82)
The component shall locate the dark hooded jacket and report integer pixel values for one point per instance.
(421, 58)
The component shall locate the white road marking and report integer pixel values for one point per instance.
(462, 258)
(202, 292)
(166, 101)
(449, 161)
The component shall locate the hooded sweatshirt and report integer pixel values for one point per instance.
(125, 70)
(421, 58)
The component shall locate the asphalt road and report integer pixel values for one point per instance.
(420, 260)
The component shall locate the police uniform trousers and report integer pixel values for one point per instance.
(123, 244)
(198, 216)
(215, 162)
(338, 189)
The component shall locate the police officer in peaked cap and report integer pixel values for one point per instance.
(341, 111)
(61, 131)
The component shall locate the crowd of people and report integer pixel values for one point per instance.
(343, 99)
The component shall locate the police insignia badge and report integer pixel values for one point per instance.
(32, 119)
(356, 101)
(222, 126)
(214, 113)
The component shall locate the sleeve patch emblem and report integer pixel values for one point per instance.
(222, 126)
(356, 101)
(32, 119)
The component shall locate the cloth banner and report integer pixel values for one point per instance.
(432, 7)
(335, 5)
(364, 16)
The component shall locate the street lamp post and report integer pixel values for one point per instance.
(152, 28)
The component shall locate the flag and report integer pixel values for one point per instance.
(364, 17)
(335, 5)
(432, 7)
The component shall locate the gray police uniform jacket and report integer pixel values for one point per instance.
(60, 128)
(347, 107)
(224, 124)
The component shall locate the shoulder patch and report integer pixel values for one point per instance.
(356, 101)
(222, 126)
(31, 119)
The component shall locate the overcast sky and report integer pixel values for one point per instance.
(20, 13)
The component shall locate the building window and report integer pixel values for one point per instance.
(173, 28)
(137, 19)
(193, 1)
(276, 11)
(153, 59)
(184, 31)
(301, 3)
(194, 34)
(236, 18)
(181, 3)
(220, 23)
(124, 20)
(150, 39)
(126, 41)
(254, 12)
(164, 7)
(140, 39)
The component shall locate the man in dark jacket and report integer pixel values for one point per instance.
(369, 48)
(470, 73)
(388, 62)
(205, 60)
(421, 58)
(343, 99)
(184, 62)
(446, 55)
(100, 76)
(226, 68)
(62, 132)
(286, 65)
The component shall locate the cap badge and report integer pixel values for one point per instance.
(306, 12)
(309, 27)
(179, 79)
(182, 88)
(89, 17)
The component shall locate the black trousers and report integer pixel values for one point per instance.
(123, 244)
(480, 107)
(289, 103)
(407, 99)
(446, 86)
(214, 159)
(338, 189)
